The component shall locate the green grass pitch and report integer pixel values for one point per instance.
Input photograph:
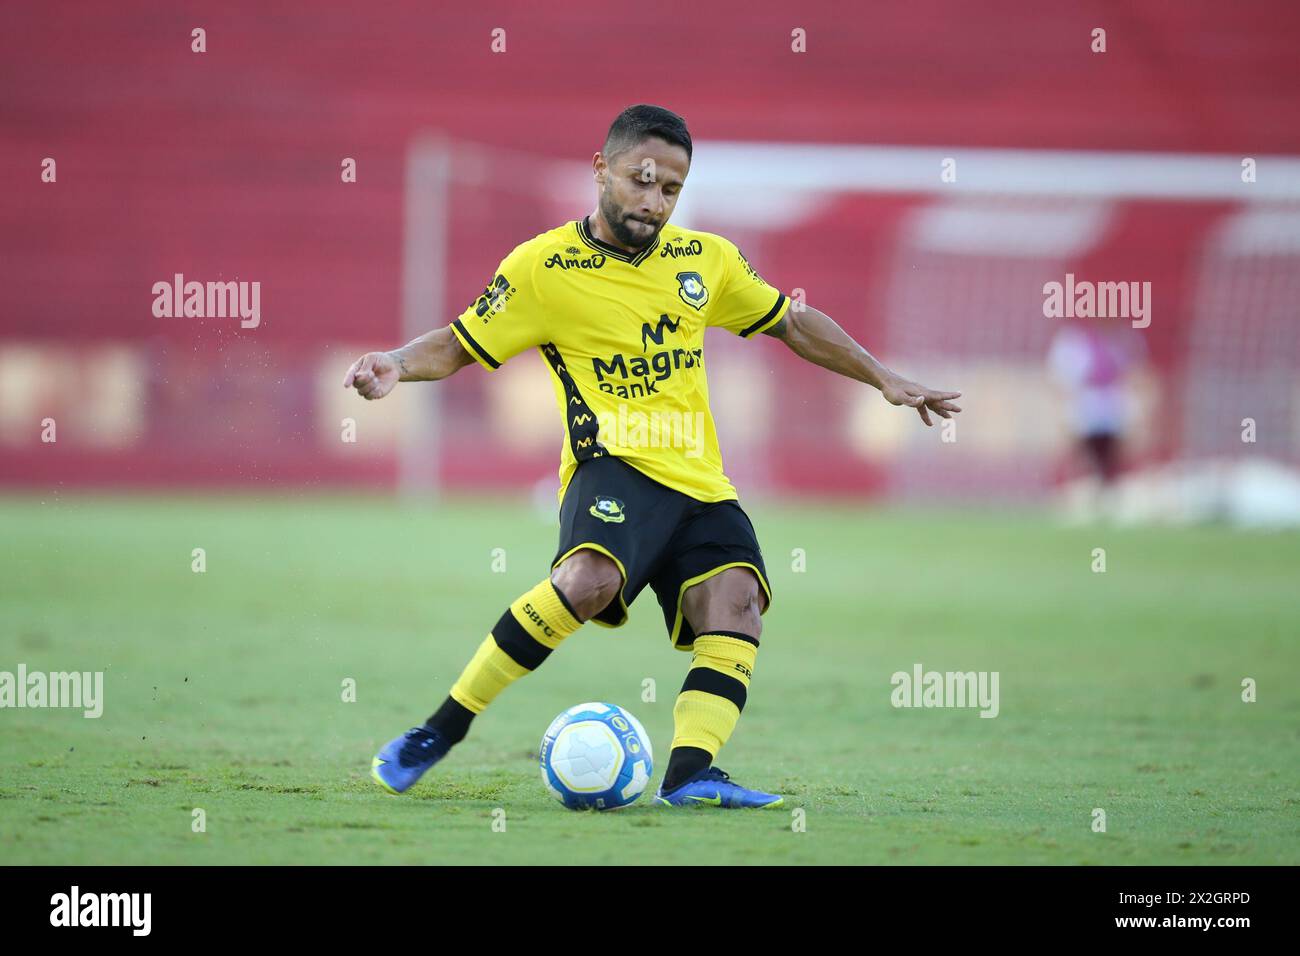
(223, 690)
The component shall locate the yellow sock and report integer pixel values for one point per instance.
(521, 640)
(713, 694)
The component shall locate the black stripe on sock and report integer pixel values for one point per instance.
(736, 634)
(718, 684)
(520, 646)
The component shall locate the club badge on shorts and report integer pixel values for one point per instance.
(608, 509)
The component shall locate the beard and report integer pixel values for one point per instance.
(617, 220)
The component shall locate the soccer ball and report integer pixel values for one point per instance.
(596, 757)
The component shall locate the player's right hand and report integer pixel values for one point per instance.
(901, 391)
(373, 375)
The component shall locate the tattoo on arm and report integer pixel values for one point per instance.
(777, 331)
(401, 363)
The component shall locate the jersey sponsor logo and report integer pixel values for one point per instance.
(692, 289)
(657, 333)
(651, 369)
(557, 261)
(678, 248)
(609, 510)
(496, 295)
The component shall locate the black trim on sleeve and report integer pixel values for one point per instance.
(459, 326)
(780, 300)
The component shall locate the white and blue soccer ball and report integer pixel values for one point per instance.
(596, 757)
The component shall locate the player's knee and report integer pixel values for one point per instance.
(747, 608)
(589, 581)
(729, 601)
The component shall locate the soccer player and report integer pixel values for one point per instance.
(1096, 364)
(617, 303)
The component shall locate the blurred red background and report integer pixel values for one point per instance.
(226, 165)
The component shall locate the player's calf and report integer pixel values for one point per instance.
(532, 627)
(724, 612)
(704, 716)
(709, 703)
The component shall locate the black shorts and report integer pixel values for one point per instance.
(656, 536)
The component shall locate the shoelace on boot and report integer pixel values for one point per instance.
(418, 744)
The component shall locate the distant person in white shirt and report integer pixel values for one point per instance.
(1092, 361)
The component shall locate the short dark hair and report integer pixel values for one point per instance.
(637, 122)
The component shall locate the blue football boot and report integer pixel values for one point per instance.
(404, 759)
(712, 787)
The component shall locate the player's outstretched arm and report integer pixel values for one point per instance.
(817, 338)
(432, 356)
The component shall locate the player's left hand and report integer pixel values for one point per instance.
(900, 391)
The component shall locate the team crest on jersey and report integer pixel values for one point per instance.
(692, 289)
(608, 509)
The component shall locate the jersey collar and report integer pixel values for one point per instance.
(585, 233)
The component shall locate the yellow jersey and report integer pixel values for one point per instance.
(623, 335)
